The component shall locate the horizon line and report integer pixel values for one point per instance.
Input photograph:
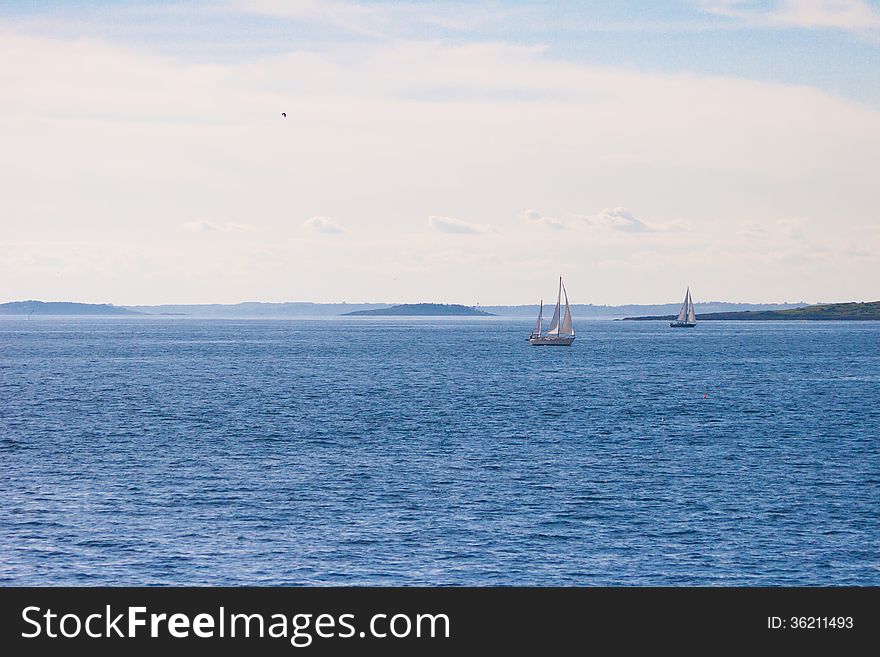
(398, 303)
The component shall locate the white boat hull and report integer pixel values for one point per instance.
(551, 340)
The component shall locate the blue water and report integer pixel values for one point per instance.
(438, 452)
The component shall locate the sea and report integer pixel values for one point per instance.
(364, 451)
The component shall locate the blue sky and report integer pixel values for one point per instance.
(684, 36)
(439, 151)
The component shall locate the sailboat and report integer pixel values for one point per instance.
(686, 317)
(558, 335)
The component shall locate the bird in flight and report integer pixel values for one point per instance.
(284, 115)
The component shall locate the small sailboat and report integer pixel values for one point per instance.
(558, 335)
(686, 316)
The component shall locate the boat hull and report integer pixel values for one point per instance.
(551, 341)
(682, 324)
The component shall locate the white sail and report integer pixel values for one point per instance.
(558, 334)
(567, 326)
(682, 314)
(691, 314)
(554, 323)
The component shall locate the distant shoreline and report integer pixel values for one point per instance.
(711, 311)
(301, 309)
(869, 311)
(421, 310)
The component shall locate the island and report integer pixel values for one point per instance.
(831, 311)
(31, 307)
(422, 310)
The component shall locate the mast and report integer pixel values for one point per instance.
(567, 326)
(554, 323)
(559, 295)
(691, 313)
(682, 313)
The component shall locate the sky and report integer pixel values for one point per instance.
(448, 152)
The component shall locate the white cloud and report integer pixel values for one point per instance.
(379, 20)
(455, 226)
(389, 131)
(324, 225)
(752, 230)
(547, 222)
(619, 219)
(204, 226)
(855, 15)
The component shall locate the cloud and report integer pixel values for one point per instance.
(452, 225)
(855, 15)
(619, 219)
(324, 225)
(204, 226)
(381, 20)
(101, 125)
(752, 230)
(548, 222)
